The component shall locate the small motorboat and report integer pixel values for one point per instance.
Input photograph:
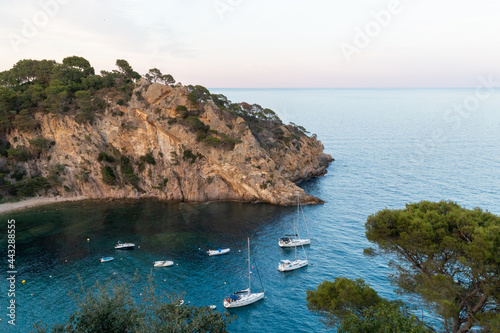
(104, 259)
(164, 263)
(124, 246)
(217, 252)
(213, 307)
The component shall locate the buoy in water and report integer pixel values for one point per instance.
(23, 281)
(88, 239)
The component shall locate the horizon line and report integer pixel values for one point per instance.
(341, 87)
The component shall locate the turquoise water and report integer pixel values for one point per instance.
(391, 147)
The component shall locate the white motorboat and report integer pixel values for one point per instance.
(290, 265)
(243, 297)
(164, 263)
(124, 246)
(217, 252)
(105, 259)
(294, 239)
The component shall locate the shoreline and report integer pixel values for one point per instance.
(35, 202)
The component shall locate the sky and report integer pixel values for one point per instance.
(266, 43)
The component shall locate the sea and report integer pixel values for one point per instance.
(391, 147)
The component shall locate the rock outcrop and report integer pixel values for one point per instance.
(151, 147)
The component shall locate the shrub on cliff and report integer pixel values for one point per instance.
(108, 175)
(30, 186)
(198, 93)
(128, 171)
(212, 141)
(39, 144)
(103, 157)
(19, 153)
(148, 158)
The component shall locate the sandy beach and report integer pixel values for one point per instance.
(34, 202)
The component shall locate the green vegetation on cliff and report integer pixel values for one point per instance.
(36, 95)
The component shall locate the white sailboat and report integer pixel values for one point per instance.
(243, 297)
(290, 265)
(294, 239)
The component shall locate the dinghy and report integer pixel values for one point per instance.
(217, 252)
(104, 259)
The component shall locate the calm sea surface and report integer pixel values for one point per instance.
(391, 147)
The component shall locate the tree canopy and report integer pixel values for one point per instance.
(155, 75)
(109, 307)
(447, 254)
(353, 306)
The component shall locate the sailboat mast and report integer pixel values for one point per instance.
(296, 224)
(249, 273)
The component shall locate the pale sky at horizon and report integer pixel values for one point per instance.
(257, 43)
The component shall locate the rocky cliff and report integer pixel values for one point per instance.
(161, 143)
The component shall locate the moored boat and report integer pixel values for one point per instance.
(164, 263)
(290, 265)
(243, 297)
(124, 246)
(104, 259)
(294, 239)
(217, 252)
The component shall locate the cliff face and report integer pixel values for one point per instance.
(149, 147)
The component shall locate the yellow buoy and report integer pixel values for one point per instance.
(23, 281)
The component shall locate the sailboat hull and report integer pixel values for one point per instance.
(244, 300)
(294, 242)
(292, 265)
